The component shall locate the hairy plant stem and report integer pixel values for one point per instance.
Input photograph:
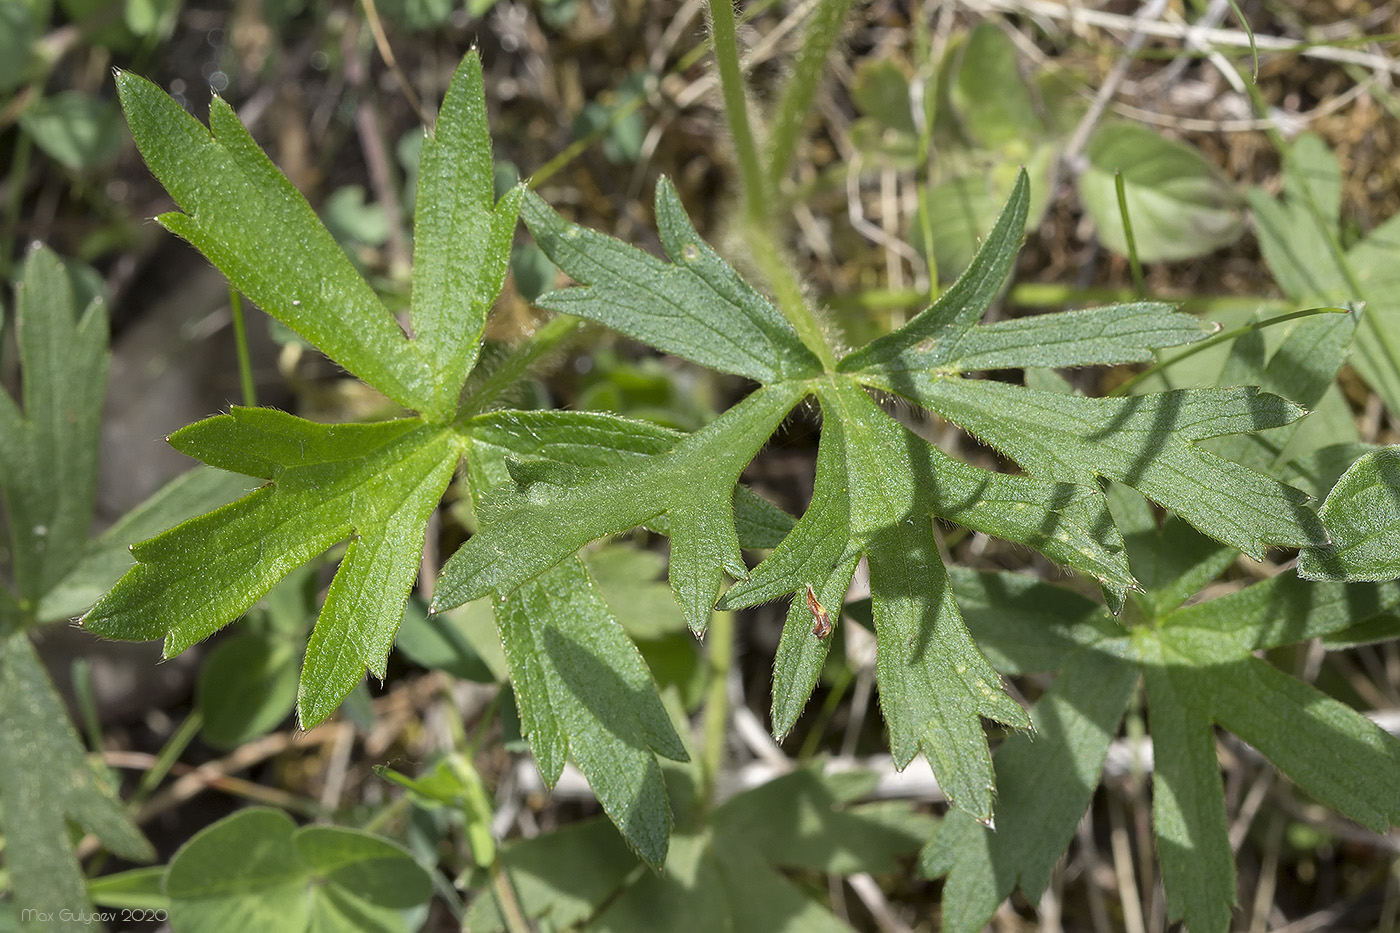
(508, 371)
(758, 227)
(240, 341)
(720, 642)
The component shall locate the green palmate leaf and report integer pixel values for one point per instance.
(461, 236)
(879, 487)
(243, 214)
(866, 464)
(1362, 514)
(374, 484)
(1200, 672)
(284, 878)
(691, 483)
(1126, 333)
(1188, 802)
(1147, 442)
(583, 687)
(46, 779)
(696, 306)
(48, 460)
(574, 445)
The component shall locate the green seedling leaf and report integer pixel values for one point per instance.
(259, 230)
(583, 687)
(46, 779)
(454, 783)
(74, 129)
(374, 484)
(1362, 514)
(1179, 203)
(1147, 442)
(284, 878)
(696, 306)
(48, 461)
(725, 879)
(692, 484)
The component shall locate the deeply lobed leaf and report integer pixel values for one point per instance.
(40, 789)
(48, 459)
(375, 484)
(691, 483)
(696, 306)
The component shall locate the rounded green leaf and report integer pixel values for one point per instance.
(247, 687)
(256, 871)
(76, 130)
(1179, 204)
(1362, 514)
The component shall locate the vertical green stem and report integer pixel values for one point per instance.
(801, 87)
(736, 110)
(1133, 262)
(720, 642)
(240, 339)
(758, 226)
